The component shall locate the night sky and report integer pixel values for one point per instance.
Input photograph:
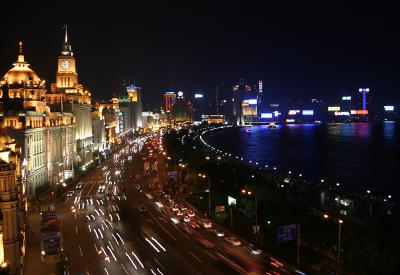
(299, 51)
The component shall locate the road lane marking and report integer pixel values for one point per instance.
(209, 254)
(159, 264)
(76, 230)
(162, 227)
(123, 267)
(194, 256)
(80, 250)
(95, 247)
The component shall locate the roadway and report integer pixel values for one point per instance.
(104, 232)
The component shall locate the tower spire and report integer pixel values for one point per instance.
(20, 47)
(20, 54)
(66, 48)
(66, 33)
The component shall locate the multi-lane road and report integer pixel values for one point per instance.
(119, 222)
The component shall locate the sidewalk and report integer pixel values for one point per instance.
(33, 264)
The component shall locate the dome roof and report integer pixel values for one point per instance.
(21, 71)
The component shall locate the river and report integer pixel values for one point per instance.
(360, 156)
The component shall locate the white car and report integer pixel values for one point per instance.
(218, 233)
(175, 220)
(233, 241)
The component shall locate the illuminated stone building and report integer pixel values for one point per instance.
(67, 94)
(154, 120)
(11, 223)
(46, 138)
(182, 110)
(113, 120)
(131, 109)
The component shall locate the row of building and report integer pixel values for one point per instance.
(47, 134)
(246, 104)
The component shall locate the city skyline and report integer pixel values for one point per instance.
(293, 56)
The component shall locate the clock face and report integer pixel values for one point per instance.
(65, 64)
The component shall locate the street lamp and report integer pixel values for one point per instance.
(249, 193)
(340, 222)
(209, 192)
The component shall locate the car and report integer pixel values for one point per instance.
(252, 249)
(79, 186)
(142, 208)
(175, 220)
(232, 240)
(186, 219)
(194, 225)
(70, 193)
(190, 213)
(179, 213)
(131, 176)
(206, 224)
(219, 233)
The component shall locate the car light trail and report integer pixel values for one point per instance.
(130, 259)
(119, 236)
(137, 259)
(160, 271)
(112, 254)
(158, 244)
(155, 248)
(115, 239)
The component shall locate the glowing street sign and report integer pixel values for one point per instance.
(293, 112)
(198, 95)
(308, 112)
(388, 108)
(252, 101)
(266, 115)
(231, 201)
(346, 97)
(359, 112)
(276, 113)
(290, 120)
(333, 108)
(342, 113)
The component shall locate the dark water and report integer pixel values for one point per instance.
(359, 156)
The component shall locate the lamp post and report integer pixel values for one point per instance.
(209, 192)
(340, 222)
(249, 193)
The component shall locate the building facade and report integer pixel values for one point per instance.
(68, 95)
(35, 128)
(12, 234)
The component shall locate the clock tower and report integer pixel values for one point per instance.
(66, 73)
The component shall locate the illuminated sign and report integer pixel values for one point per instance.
(198, 95)
(359, 112)
(180, 93)
(231, 201)
(388, 108)
(342, 113)
(333, 108)
(363, 90)
(308, 112)
(290, 120)
(293, 112)
(260, 86)
(252, 101)
(266, 115)
(346, 97)
(276, 113)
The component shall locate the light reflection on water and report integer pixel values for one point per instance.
(358, 155)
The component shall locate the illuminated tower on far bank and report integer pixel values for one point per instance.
(170, 98)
